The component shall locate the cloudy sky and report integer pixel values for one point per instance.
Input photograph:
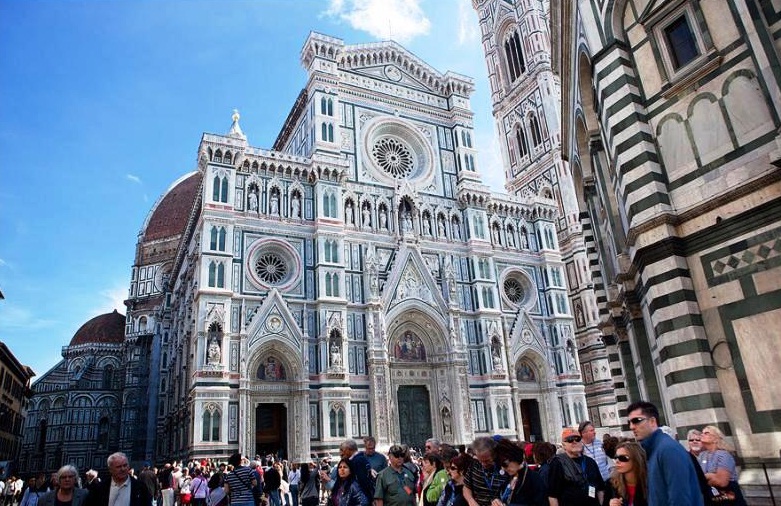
(102, 106)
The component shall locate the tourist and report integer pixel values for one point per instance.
(377, 460)
(526, 487)
(592, 447)
(434, 480)
(122, 489)
(239, 483)
(453, 494)
(672, 479)
(484, 480)
(628, 483)
(719, 467)
(66, 493)
(395, 484)
(346, 490)
(574, 479)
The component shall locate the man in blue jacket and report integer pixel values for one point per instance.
(672, 479)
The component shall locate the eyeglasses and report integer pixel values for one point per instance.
(453, 468)
(694, 440)
(622, 458)
(397, 455)
(637, 420)
(572, 439)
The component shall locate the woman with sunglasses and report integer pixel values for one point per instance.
(719, 466)
(346, 491)
(453, 494)
(525, 487)
(628, 484)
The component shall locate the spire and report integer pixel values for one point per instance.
(235, 130)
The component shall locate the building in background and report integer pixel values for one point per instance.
(14, 395)
(670, 126)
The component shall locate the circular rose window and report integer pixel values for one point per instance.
(270, 268)
(514, 290)
(517, 288)
(394, 149)
(273, 263)
(393, 157)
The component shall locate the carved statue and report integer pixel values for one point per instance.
(407, 226)
(383, 219)
(349, 213)
(253, 199)
(366, 218)
(441, 228)
(295, 207)
(213, 354)
(274, 207)
(336, 355)
(427, 226)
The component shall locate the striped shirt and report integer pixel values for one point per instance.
(596, 452)
(485, 484)
(240, 483)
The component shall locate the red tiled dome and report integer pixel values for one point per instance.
(106, 328)
(170, 215)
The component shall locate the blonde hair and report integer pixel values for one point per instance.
(720, 443)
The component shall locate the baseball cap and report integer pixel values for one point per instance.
(569, 431)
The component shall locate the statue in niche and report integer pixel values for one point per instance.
(524, 240)
(366, 217)
(253, 199)
(274, 205)
(427, 226)
(579, 315)
(295, 206)
(496, 354)
(510, 238)
(350, 216)
(383, 219)
(456, 229)
(447, 421)
(407, 223)
(213, 354)
(496, 235)
(441, 227)
(336, 355)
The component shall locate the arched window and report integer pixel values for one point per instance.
(513, 52)
(211, 424)
(108, 377)
(217, 238)
(42, 426)
(328, 285)
(326, 206)
(332, 205)
(330, 107)
(227, 157)
(335, 285)
(337, 419)
(520, 138)
(216, 274)
(220, 189)
(503, 416)
(330, 132)
(323, 107)
(534, 124)
(218, 156)
(324, 131)
(104, 430)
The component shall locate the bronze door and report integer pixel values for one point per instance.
(271, 430)
(414, 416)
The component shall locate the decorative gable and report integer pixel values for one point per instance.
(274, 318)
(410, 279)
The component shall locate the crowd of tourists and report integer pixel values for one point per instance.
(649, 469)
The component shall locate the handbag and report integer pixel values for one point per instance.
(728, 496)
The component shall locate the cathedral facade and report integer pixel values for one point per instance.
(358, 278)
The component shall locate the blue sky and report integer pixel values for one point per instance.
(102, 106)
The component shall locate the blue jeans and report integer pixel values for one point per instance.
(294, 494)
(274, 499)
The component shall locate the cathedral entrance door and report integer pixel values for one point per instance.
(271, 430)
(530, 418)
(414, 416)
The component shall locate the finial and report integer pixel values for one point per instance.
(235, 130)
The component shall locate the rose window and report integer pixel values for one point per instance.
(393, 157)
(513, 290)
(271, 268)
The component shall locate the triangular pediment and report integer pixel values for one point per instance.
(388, 61)
(652, 11)
(410, 279)
(525, 335)
(274, 319)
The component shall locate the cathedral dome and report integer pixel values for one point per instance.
(107, 328)
(169, 216)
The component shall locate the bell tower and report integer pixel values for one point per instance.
(526, 96)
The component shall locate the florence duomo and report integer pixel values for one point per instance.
(359, 277)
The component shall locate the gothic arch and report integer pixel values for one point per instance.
(288, 357)
(428, 325)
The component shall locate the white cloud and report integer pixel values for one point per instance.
(400, 20)
(467, 24)
(131, 177)
(110, 299)
(490, 163)
(3, 263)
(17, 318)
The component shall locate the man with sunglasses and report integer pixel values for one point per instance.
(574, 479)
(672, 479)
(395, 484)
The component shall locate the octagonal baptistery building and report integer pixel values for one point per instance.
(358, 278)
(74, 414)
